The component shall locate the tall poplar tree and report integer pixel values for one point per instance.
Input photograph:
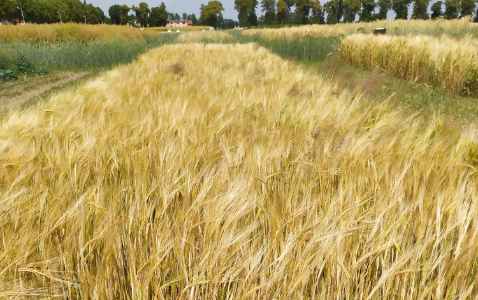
(246, 12)
(281, 12)
(330, 9)
(368, 6)
(351, 9)
(210, 12)
(269, 10)
(452, 8)
(384, 7)
(420, 10)
(401, 8)
(317, 12)
(302, 11)
(436, 10)
(467, 7)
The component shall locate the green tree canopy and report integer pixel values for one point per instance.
(317, 12)
(123, 14)
(142, 12)
(436, 9)
(281, 12)
(452, 7)
(366, 15)
(401, 8)
(467, 7)
(351, 9)
(384, 7)
(420, 10)
(210, 11)
(246, 12)
(302, 11)
(158, 16)
(330, 9)
(269, 10)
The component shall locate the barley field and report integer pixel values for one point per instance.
(182, 29)
(439, 61)
(191, 175)
(205, 37)
(454, 28)
(52, 33)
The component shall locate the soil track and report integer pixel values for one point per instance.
(19, 94)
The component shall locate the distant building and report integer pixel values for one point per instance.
(181, 23)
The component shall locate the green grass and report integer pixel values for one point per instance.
(410, 97)
(85, 55)
(311, 49)
(189, 28)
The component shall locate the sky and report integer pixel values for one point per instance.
(174, 6)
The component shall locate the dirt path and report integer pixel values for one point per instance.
(23, 94)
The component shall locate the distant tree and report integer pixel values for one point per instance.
(91, 14)
(123, 14)
(4, 9)
(269, 10)
(142, 12)
(302, 11)
(317, 12)
(246, 12)
(73, 12)
(384, 7)
(220, 21)
(281, 12)
(340, 10)
(193, 18)
(210, 11)
(114, 12)
(436, 10)
(401, 8)
(253, 16)
(100, 14)
(420, 10)
(351, 9)
(452, 7)
(368, 6)
(467, 7)
(185, 16)
(158, 16)
(290, 5)
(44, 11)
(7, 10)
(230, 24)
(330, 9)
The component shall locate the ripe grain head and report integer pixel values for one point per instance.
(221, 183)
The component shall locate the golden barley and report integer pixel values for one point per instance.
(191, 175)
(456, 27)
(439, 61)
(34, 33)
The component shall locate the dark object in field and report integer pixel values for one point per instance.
(378, 31)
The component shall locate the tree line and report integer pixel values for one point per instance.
(211, 15)
(347, 11)
(50, 11)
(54, 11)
